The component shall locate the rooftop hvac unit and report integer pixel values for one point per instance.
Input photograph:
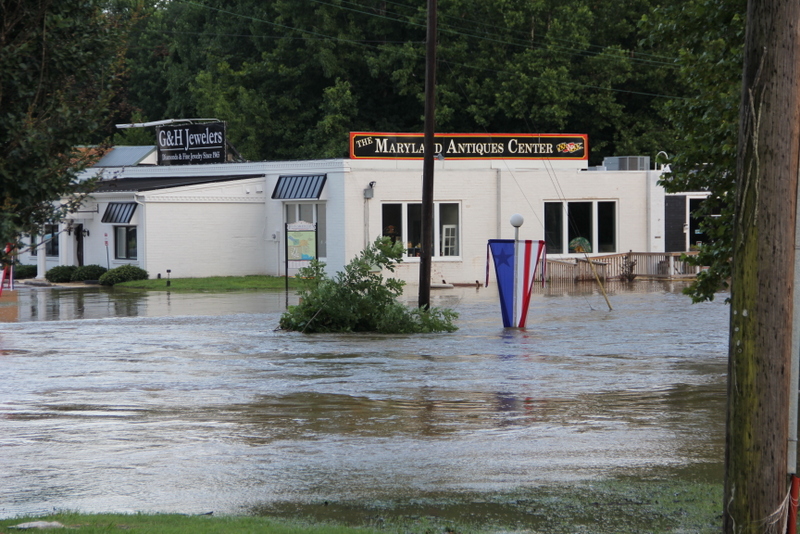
(627, 163)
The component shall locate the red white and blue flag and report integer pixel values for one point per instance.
(515, 265)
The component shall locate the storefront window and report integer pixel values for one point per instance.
(590, 226)
(403, 221)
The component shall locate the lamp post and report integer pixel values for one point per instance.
(516, 222)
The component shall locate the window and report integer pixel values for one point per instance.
(125, 242)
(51, 241)
(589, 226)
(448, 230)
(554, 227)
(403, 222)
(313, 213)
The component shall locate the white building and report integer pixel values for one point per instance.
(229, 218)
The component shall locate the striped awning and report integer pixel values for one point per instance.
(119, 212)
(295, 187)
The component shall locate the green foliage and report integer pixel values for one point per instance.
(60, 274)
(292, 78)
(708, 35)
(57, 72)
(22, 272)
(359, 299)
(123, 273)
(88, 272)
(215, 283)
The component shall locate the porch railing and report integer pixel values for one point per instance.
(609, 267)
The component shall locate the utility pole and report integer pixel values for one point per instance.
(759, 357)
(426, 254)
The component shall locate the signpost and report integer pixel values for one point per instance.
(301, 248)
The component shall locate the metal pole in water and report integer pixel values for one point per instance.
(516, 222)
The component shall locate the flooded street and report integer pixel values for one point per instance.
(118, 401)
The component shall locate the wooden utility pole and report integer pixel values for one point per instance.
(426, 254)
(759, 358)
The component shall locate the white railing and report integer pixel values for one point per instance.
(648, 265)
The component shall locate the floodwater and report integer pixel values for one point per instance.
(119, 402)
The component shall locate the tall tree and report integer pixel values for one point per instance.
(57, 71)
(706, 37)
(293, 77)
(759, 361)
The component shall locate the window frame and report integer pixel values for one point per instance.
(127, 229)
(604, 229)
(50, 236)
(411, 249)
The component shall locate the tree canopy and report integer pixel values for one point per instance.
(58, 60)
(293, 78)
(708, 36)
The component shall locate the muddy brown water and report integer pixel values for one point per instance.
(121, 402)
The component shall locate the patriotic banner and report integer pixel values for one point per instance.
(515, 265)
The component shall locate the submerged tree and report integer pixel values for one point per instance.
(359, 299)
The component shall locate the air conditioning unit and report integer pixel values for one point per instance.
(627, 163)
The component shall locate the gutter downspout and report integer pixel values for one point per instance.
(141, 254)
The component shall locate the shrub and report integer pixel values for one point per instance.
(88, 272)
(628, 265)
(22, 272)
(123, 273)
(360, 300)
(60, 274)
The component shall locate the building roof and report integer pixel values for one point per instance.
(125, 156)
(163, 182)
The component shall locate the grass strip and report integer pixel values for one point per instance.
(177, 524)
(605, 507)
(214, 283)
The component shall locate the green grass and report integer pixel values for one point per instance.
(181, 524)
(621, 506)
(606, 507)
(214, 283)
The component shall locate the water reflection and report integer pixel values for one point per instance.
(96, 302)
(193, 403)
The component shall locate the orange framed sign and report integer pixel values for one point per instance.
(378, 145)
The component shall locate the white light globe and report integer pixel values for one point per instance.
(517, 220)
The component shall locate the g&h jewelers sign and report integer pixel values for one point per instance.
(191, 144)
(373, 145)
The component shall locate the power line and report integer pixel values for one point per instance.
(668, 62)
(527, 43)
(321, 36)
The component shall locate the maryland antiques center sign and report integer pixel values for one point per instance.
(191, 144)
(370, 145)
